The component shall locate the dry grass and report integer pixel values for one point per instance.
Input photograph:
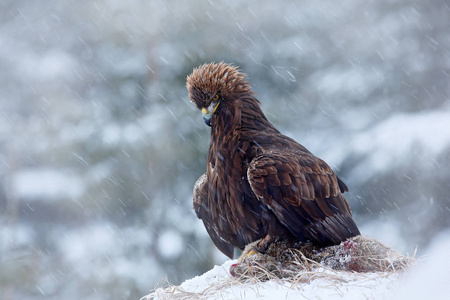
(359, 254)
(356, 260)
(169, 291)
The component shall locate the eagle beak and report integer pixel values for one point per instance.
(208, 112)
(206, 116)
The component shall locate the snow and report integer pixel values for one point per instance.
(430, 279)
(54, 64)
(352, 81)
(170, 244)
(19, 235)
(402, 132)
(97, 130)
(398, 140)
(80, 254)
(218, 284)
(427, 280)
(34, 184)
(390, 232)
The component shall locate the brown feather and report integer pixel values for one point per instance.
(260, 183)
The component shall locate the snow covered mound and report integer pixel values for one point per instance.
(359, 268)
(323, 284)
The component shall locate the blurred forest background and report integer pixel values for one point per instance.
(100, 146)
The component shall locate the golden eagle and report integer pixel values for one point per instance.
(259, 183)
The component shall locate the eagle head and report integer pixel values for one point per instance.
(211, 86)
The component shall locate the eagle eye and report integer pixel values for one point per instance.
(216, 97)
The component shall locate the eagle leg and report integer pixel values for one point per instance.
(258, 247)
(276, 232)
(264, 244)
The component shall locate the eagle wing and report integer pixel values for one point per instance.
(304, 194)
(203, 213)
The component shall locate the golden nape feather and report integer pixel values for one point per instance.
(208, 79)
(259, 183)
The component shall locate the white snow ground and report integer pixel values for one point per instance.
(429, 279)
(218, 284)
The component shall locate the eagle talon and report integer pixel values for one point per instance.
(248, 254)
(252, 252)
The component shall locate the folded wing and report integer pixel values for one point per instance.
(305, 195)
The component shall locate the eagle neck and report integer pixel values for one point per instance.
(253, 118)
(226, 131)
(241, 115)
(237, 121)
